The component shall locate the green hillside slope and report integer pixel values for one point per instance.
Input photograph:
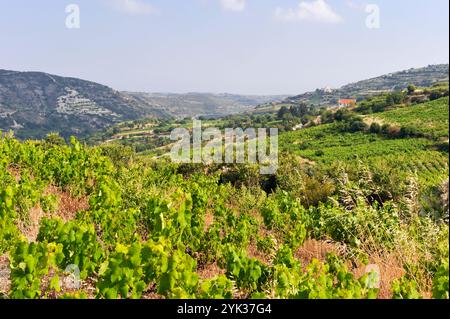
(346, 195)
(429, 118)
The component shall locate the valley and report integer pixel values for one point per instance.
(357, 207)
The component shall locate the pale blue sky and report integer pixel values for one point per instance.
(234, 46)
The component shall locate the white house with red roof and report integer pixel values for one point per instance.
(346, 102)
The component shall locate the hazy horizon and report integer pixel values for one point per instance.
(219, 92)
(263, 47)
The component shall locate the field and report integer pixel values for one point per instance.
(326, 145)
(430, 118)
(103, 221)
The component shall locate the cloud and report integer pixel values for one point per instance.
(133, 7)
(317, 11)
(233, 5)
(356, 5)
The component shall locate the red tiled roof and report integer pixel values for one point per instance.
(347, 101)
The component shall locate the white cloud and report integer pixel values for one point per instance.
(356, 5)
(233, 5)
(317, 11)
(134, 7)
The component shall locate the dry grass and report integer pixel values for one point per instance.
(15, 172)
(253, 252)
(86, 286)
(151, 296)
(5, 282)
(317, 249)
(31, 230)
(210, 271)
(209, 220)
(390, 268)
(68, 207)
(389, 265)
(407, 250)
(370, 120)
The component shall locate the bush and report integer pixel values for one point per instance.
(375, 128)
(358, 126)
(120, 155)
(408, 132)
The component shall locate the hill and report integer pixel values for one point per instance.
(33, 104)
(428, 118)
(345, 196)
(203, 104)
(420, 77)
(413, 137)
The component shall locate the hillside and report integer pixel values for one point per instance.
(203, 104)
(33, 104)
(346, 195)
(429, 118)
(420, 77)
(412, 136)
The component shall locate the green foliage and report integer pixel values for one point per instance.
(440, 282)
(152, 226)
(131, 269)
(8, 230)
(429, 119)
(80, 244)
(122, 274)
(330, 280)
(249, 273)
(322, 281)
(29, 264)
(217, 288)
(405, 288)
(280, 208)
(75, 295)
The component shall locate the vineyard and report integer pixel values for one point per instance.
(326, 144)
(429, 118)
(349, 215)
(149, 231)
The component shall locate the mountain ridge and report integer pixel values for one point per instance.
(424, 76)
(33, 104)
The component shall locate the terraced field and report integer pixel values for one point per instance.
(326, 146)
(429, 118)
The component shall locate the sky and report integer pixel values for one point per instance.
(234, 46)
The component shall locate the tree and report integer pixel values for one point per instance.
(342, 115)
(375, 128)
(300, 110)
(282, 112)
(407, 131)
(54, 139)
(411, 89)
(386, 128)
(327, 117)
(357, 125)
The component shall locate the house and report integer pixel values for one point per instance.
(346, 102)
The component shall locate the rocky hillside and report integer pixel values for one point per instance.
(33, 104)
(421, 77)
